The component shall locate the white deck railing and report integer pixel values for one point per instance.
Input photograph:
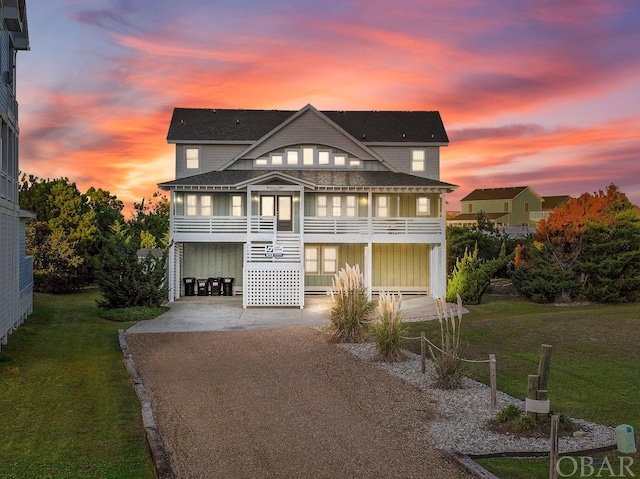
(312, 225)
(215, 224)
(369, 226)
(538, 215)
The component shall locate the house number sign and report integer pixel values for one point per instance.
(273, 251)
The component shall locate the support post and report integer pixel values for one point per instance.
(553, 449)
(532, 390)
(493, 380)
(543, 376)
(543, 395)
(544, 365)
(423, 353)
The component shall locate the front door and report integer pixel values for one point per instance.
(280, 206)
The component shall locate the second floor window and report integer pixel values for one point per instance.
(337, 206)
(382, 206)
(506, 206)
(198, 205)
(192, 156)
(192, 205)
(205, 206)
(236, 205)
(423, 206)
(351, 207)
(321, 206)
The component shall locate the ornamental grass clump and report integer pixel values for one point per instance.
(387, 329)
(351, 307)
(446, 359)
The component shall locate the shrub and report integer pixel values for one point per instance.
(387, 329)
(446, 361)
(524, 423)
(544, 280)
(471, 276)
(350, 307)
(509, 413)
(126, 280)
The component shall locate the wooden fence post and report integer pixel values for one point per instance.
(543, 377)
(553, 449)
(532, 390)
(492, 380)
(544, 365)
(423, 353)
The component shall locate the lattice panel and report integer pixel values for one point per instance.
(273, 288)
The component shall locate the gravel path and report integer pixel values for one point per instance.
(283, 403)
(463, 415)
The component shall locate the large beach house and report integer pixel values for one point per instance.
(278, 201)
(16, 269)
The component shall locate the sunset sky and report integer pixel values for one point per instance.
(539, 93)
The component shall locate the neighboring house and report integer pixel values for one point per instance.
(516, 210)
(549, 203)
(281, 200)
(16, 269)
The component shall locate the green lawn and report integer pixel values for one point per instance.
(595, 365)
(68, 409)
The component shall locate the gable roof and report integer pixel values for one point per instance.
(330, 124)
(318, 178)
(551, 202)
(247, 126)
(494, 193)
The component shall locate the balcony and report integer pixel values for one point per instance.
(321, 229)
(536, 216)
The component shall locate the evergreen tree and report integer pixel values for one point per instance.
(126, 280)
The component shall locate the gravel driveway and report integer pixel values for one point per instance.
(282, 404)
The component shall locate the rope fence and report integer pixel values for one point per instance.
(492, 363)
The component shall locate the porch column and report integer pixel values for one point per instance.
(368, 269)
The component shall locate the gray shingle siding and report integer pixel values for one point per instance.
(212, 157)
(309, 129)
(399, 157)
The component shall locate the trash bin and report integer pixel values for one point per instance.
(227, 286)
(202, 287)
(214, 286)
(189, 286)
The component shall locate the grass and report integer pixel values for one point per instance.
(595, 373)
(68, 409)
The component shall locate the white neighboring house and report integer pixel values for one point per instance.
(281, 200)
(16, 269)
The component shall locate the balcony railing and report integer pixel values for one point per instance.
(312, 225)
(210, 225)
(538, 215)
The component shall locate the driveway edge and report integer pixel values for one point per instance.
(159, 454)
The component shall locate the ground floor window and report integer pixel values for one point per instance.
(321, 259)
